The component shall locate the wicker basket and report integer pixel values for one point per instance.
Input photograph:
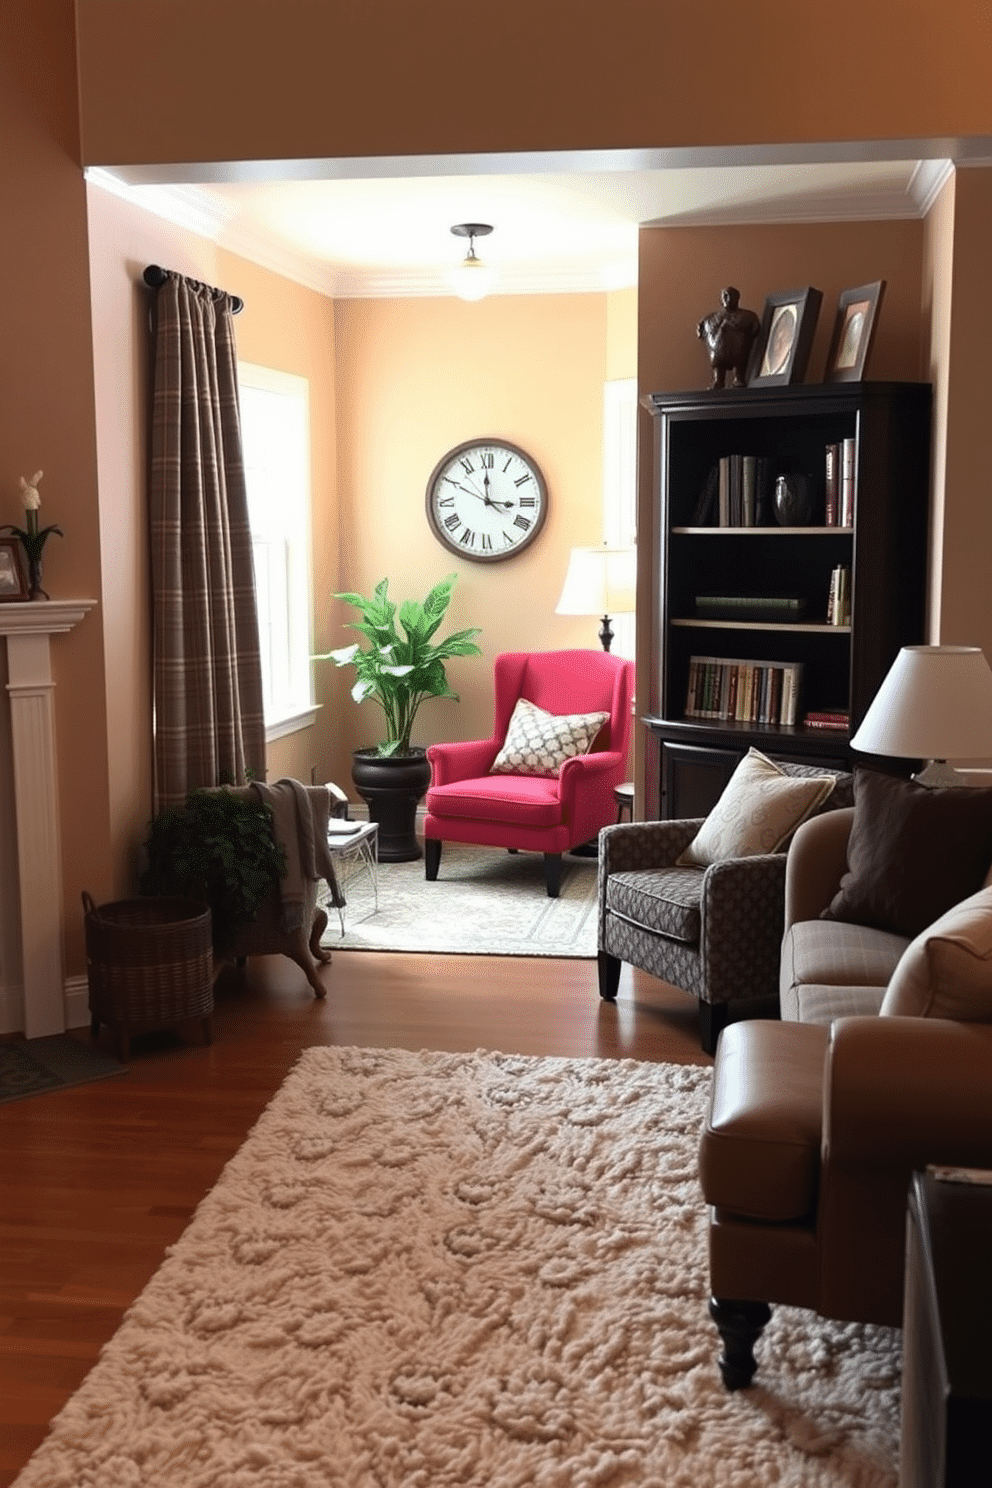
(149, 964)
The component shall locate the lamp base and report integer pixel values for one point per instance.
(938, 773)
(606, 633)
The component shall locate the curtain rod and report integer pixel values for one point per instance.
(155, 276)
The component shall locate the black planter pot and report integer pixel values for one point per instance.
(392, 785)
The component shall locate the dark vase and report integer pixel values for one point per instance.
(35, 572)
(793, 504)
(392, 785)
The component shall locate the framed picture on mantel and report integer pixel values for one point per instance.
(13, 581)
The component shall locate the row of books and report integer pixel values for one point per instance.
(737, 493)
(839, 483)
(738, 490)
(729, 690)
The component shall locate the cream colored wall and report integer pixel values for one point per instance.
(415, 378)
(621, 333)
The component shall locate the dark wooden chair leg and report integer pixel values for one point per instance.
(94, 1025)
(432, 858)
(608, 968)
(552, 874)
(740, 1325)
(713, 1016)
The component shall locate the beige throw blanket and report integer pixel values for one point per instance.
(299, 824)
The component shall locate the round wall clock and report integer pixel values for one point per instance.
(486, 500)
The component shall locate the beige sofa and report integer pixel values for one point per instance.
(833, 968)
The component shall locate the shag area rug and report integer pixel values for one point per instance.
(427, 1270)
(484, 902)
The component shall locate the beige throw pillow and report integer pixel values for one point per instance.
(759, 809)
(946, 972)
(539, 743)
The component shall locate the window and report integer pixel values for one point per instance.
(620, 485)
(275, 428)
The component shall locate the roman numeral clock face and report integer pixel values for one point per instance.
(486, 500)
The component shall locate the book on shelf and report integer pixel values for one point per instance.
(848, 480)
(839, 596)
(784, 608)
(729, 689)
(839, 720)
(831, 480)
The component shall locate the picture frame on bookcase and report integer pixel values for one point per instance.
(781, 352)
(13, 579)
(854, 331)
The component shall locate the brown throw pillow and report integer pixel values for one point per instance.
(913, 852)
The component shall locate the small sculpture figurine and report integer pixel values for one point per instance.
(730, 334)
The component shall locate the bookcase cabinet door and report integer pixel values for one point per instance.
(777, 635)
(693, 779)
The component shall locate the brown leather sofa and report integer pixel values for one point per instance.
(817, 1122)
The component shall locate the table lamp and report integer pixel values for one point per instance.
(600, 581)
(935, 704)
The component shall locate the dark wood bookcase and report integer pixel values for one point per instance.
(884, 548)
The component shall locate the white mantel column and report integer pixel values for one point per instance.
(28, 629)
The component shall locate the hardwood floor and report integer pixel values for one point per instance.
(97, 1180)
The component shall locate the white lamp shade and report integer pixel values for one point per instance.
(935, 704)
(599, 581)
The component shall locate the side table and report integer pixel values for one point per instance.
(947, 1368)
(355, 853)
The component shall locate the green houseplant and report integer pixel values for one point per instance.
(400, 667)
(216, 846)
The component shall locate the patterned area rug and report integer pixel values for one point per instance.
(428, 1270)
(484, 902)
(34, 1066)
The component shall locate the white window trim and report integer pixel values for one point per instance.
(301, 711)
(620, 486)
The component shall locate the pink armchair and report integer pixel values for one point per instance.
(467, 804)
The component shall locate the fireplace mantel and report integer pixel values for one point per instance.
(27, 629)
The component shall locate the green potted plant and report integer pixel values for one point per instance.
(218, 847)
(400, 667)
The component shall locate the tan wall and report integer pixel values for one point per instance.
(962, 614)
(307, 78)
(415, 378)
(47, 408)
(284, 326)
(291, 329)
(682, 271)
(937, 310)
(350, 79)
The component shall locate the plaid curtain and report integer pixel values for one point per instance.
(208, 723)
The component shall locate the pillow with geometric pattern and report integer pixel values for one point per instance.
(760, 808)
(539, 743)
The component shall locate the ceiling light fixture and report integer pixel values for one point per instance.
(472, 279)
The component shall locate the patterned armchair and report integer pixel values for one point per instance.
(716, 931)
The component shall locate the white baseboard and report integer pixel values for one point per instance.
(76, 995)
(77, 1002)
